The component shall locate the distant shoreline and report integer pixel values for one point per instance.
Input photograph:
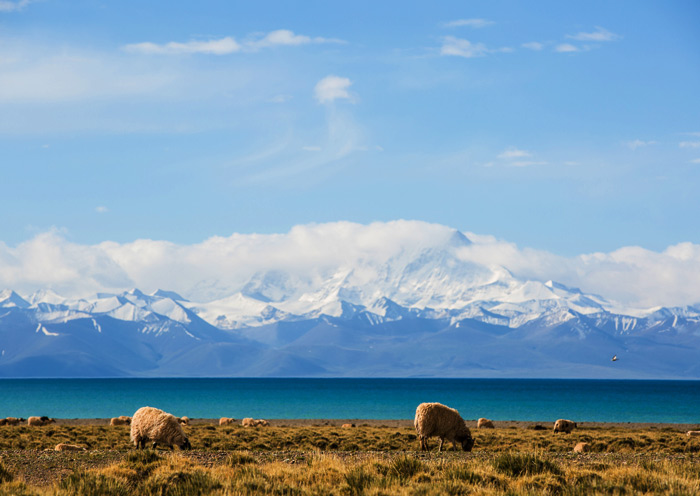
(403, 423)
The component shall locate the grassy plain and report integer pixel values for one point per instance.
(371, 459)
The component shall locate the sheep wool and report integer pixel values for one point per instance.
(226, 421)
(69, 447)
(484, 423)
(38, 421)
(158, 427)
(438, 420)
(121, 420)
(563, 425)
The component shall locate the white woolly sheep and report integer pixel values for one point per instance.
(484, 423)
(563, 425)
(38, 421)
(692, 433)
(347, 426)
(11, 421)
(226, 421)
(435, 419)
(121, 420)
(251, 422)
(69, 447)
(582, 448)
(153, 425)
(185, 420)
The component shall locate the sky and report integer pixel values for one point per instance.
(568, 128)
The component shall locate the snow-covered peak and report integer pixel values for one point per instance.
(9, 298)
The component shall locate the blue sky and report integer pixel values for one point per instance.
(561, 126)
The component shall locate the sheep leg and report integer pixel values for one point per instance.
(440, 447)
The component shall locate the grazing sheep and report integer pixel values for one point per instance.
(13, 421)
(37, 421)
(582, 448)
(69, 447)
(348, 426)
(158, 427)
(185, 420)
(692, 433)
(435, 419)
(226, 421)
(484, 423)
(250, 422)
(563, 425)
(121, 420)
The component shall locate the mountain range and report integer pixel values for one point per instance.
(422, 311)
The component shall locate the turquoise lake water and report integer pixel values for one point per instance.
(498, 399)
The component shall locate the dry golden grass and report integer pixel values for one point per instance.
(232, 460)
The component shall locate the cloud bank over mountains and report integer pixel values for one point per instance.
(220, 266)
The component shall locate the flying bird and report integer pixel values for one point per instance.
(614, 358)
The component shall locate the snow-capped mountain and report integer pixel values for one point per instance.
(422, 311)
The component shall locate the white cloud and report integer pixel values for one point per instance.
(220, 266)
(8, 6)
(689, 144)
(511, 153)
(228, 45)
(566, 48)
(462, 48)
(223, 46)
(634, 144)
(695, 161)
(101, 209)
(533, 45)
(600, 34)
(332, 88)
(472, 23)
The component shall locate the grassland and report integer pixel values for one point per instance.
(368, 459)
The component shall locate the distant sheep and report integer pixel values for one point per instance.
(484, 423)
(153, 425)
(11, 421)
(69, 447)
(121, 420)
(348, 426)
(582, 448)
(185, 420)
(250, 422)
(38, 421)
(563, 425)
(692, 433)
(226, 421)
(435, 419)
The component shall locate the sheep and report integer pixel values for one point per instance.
(185, 420)
(158, 427)
(348, 426)
(484, 423)
(13, 420)
(692, 433)
(121, 420)
(435, 419)
(69, 447)
(226, 421)
(563, 425)
(38, 421)
(582, 448)
(250, 422)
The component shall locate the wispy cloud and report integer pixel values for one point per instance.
(600, 34)
(567, 48)
(332, 88)
(459, 47)
(101, 209)
(511, 153)
(533, 45)
(7, 6)
(472, 23)
(689, 144)
(695, 161)
(228, 45)
(223, 46)
(634, 144)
